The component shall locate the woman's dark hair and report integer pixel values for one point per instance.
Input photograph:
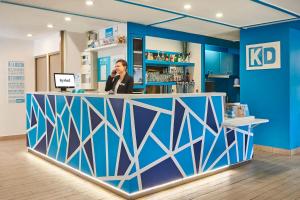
(124, 63)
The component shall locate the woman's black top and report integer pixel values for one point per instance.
(125, 87)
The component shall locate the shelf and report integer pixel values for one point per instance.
(168, 63)
(218, 76)
(236, 86)
(160, 83)
(104, 47)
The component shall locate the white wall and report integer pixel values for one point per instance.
(75, 43)
(47, 44)
(154, 43)
(195, 50)
(13, 116)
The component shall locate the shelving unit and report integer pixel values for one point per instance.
(160, 83)
(104, 47)
(168, 63)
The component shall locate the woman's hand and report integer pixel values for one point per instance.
(113, 73)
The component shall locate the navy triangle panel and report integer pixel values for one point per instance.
(117, 105)
(89, 152)
(69, 100)
(210, 120)
(52, 102)
(124, 161)
(179, 112)
(49, 131)
(143, 118)
(197, 153)
(74, 141)
(33, 118)
(161, 173)
(230, 137)
(41, 101)
(95, 119)
(41, 146)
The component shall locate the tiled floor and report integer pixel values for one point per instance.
(25, 176)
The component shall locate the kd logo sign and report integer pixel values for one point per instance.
(263, 56)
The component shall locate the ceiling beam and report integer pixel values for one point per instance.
(277, 8)
(59, 11)
(178, 13)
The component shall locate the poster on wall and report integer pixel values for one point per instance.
(103, 68)
(16, 87)
(263, 56)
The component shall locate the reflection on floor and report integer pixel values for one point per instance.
(25, 176)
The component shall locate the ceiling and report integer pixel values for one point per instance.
(19, 17)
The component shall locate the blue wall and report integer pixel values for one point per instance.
(272, 93)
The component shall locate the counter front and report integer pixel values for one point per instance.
(135, 144)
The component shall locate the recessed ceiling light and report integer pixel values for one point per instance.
(29, 35)
(89, 2)
(68, 19)
(187, 6)
(50, 25)
(219, 15)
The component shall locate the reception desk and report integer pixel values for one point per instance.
(136, 144)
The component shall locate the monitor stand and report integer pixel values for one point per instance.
(63, 89)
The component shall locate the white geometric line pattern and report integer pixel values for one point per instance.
(135, 144)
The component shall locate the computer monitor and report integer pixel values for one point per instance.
(64, 81)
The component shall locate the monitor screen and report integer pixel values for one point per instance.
(64, 80)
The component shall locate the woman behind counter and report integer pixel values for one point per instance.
(119, 82)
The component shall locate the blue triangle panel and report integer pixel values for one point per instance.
(185, 160)
(223, 162)
(218, 149)
(196, 127)
(51, 99)
(53, 147)
(117, 105)
(60, 103)
(133, 169)
(66, 120)
(89, 152)
(240, 138)
(113, 182)
(100, 152)
(178, 118)
(40, 98)
(69, 100)
(95, 119)
(207, 144)
(49, 112)
(76, 111)
(165, 103)
(41, 125)
(210, 120)
(98, 103)
(197, 153)
(74, 141)
(249, 148)
(59, 126)
(41, 146)
(109, 116)
(28, 104)
(150, 152)
(33, 118)
(232, 155)
(35, 106)
(124, 161)
(162, 129)
(49, 132)
(143, 118)
(74, 162)
(161, 173)
(127, 132)
(85, 122)
(32, 137)
(84, 164)
(185, 137)
(62, 150)
(113, 147)
(218, 105)
(230, 137)
(196, 104)
(131, 185)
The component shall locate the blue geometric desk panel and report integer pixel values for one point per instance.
(135, 143)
